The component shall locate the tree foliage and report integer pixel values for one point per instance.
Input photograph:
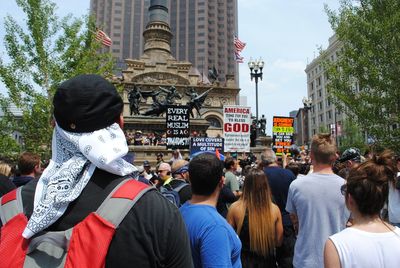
(352, 136)
(365, 79)
(40, 54)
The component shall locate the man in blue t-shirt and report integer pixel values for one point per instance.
(213, 241)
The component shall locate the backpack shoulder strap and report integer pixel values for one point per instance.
(120, 201)
(180, 186)
(11, 205)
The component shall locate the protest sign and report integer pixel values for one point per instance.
(282, 134)
(178, 127)
(205, 144)
(237, 128)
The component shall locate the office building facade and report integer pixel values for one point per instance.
(203, 31)
(323, 115)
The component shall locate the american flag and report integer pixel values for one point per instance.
(239, 45)
(103, 38)
(238, 58)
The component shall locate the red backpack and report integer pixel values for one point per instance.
(84, 245)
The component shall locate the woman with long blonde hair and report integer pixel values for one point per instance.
(257, 221)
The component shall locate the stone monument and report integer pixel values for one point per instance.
(157, 79)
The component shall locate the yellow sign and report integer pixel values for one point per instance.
(288, 130)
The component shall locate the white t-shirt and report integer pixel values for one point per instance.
(357, 248)
(394, 204)
(321, 210)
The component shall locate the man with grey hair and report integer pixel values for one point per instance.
(279, 180)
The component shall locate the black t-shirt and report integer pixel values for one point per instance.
(152, 234)
(6, 185)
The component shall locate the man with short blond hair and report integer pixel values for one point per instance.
(316, 206)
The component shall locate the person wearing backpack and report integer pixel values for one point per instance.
(169, 187)
(180, 181)
(86, 210)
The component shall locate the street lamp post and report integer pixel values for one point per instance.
(256, 68)
(307, 107)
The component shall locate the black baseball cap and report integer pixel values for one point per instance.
(86, 103)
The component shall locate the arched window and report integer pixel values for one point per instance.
(214, 122)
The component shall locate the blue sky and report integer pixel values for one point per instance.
(286, 34)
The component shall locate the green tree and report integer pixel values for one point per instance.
(352, 136)
(365, 79)
(40, 55)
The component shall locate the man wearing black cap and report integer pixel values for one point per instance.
(86, 166)
(147, 169)
(351, 158)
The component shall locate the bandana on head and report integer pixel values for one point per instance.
(74, 159)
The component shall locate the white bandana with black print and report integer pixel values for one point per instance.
(74, 159)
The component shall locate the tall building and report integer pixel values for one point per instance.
(323, 114)
(203, 31)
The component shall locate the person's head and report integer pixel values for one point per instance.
(180, 169)
(367, 186)
(86, 103)
(294, 167)
(175, 154)
(230, 163)
(5, 169)
(160, 156)
(256, 188)
(339, 169)
(164, 171)
(351, 157)
(146, 166)
(29, 164)
(323, 149)
(206, 174)
(268, 157)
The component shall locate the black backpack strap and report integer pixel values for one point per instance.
(120, 201)
(180, 186)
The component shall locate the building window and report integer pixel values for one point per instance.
(321, 118)
(329, 114)
(320, 93)
(320, 106)
(214, 122)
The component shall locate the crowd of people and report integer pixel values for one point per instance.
(138, 138)
(312, 209)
